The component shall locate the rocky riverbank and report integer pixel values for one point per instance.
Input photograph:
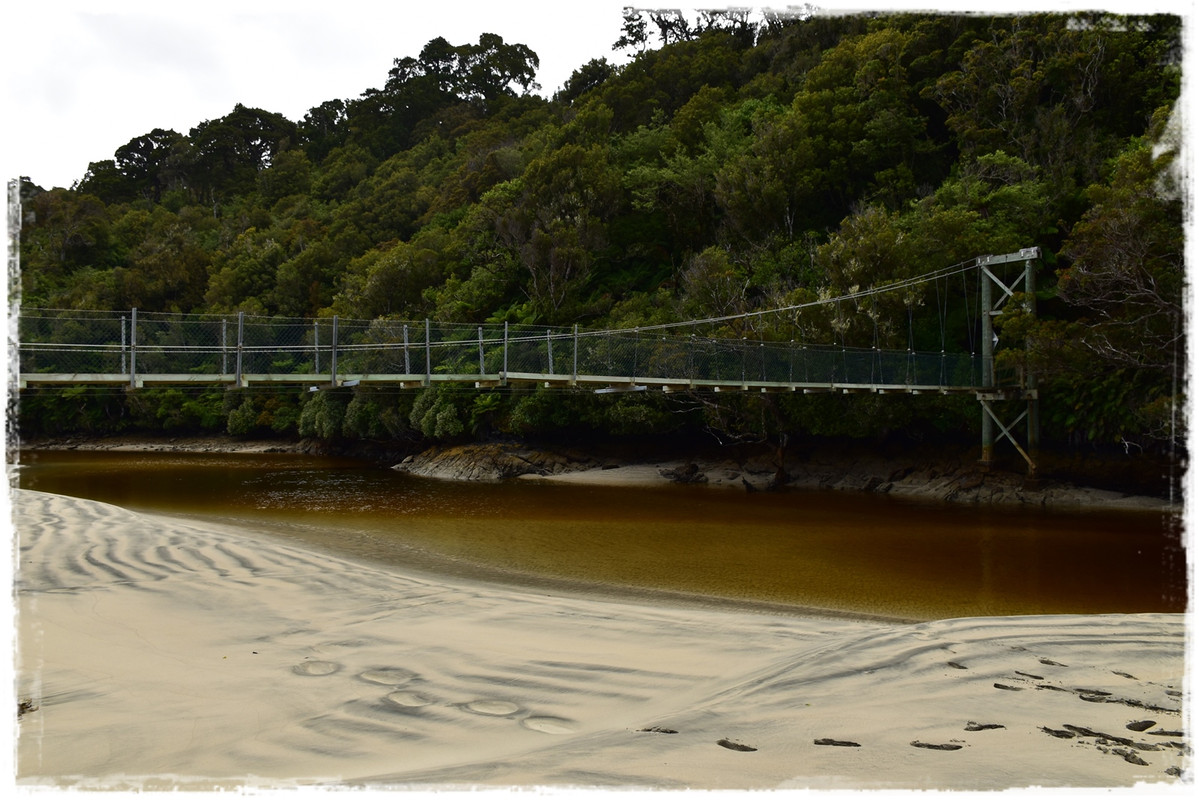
(944, 480)
(927, 476)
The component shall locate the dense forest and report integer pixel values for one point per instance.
(732, 164)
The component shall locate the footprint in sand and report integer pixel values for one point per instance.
(408, 699)
(928, 746)
(316, 668)
(387, 676)
(730, 744)
(983, 726)
(1058, 734)
(492, 708)
(554, 725)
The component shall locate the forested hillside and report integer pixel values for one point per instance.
(727, 167)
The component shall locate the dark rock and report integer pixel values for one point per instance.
(487, 462)
(836, 743)
(688, 473)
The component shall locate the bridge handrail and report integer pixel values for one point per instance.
(139, 344)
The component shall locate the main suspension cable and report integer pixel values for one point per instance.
(945, 272)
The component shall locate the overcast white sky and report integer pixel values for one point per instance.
(83, 77)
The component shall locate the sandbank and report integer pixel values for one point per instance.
(158, 653)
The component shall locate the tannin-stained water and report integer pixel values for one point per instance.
(859, 553)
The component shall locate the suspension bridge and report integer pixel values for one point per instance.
(138, 349)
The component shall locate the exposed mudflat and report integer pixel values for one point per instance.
(944, 480)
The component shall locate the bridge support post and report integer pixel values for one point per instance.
(990, 308)
(428, 352)
(241, 327)
(1030, 378)
(333, 356)
(988, 373)
(133, 348)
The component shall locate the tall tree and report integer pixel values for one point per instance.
(1060, 91)
(1126, 264)
(633, 27)
(229, 152)
(153, 162)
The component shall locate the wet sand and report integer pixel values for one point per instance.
(156, 653)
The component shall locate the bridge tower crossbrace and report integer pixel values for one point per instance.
(992, 306)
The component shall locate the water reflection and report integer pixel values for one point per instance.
(860, 553)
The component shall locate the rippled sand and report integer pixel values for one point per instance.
(154, 653)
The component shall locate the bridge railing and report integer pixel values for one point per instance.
(71, 342)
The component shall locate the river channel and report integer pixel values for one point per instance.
(857, 553)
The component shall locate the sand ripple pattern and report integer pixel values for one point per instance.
(216, 658)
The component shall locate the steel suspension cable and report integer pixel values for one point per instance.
(945, 272)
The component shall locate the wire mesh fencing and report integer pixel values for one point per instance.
(242, 347)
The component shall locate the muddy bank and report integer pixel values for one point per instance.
(944, 480)
(919, 475)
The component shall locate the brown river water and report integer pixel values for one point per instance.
(846, 552)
